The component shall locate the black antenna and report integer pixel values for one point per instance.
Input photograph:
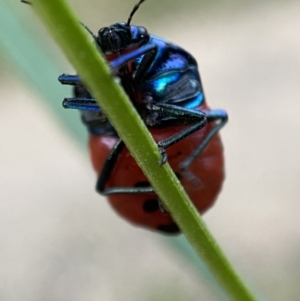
(136, 7)
(25, 1)
(89, 31)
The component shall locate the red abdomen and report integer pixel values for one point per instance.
(202, 180)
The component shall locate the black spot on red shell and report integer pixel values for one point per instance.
(170, 228)
(150, 205)
(142, 184)
(178, 176)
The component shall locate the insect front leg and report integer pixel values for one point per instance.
(79, 103)
(89, 103)
(122, 60)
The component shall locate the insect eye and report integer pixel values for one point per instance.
(142, 32)
(101, 36)
(101, 31)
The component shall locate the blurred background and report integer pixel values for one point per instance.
(59, 240)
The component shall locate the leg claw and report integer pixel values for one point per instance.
(164, 156)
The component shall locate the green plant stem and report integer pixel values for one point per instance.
(81, 52)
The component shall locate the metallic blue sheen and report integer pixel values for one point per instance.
(67, 79)
(160, 84)
(171, 77)
(81, 107)
(150, 68)
(195, 102)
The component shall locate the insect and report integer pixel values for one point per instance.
(163, 83)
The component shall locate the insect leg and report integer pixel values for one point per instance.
(87, 104)
(195, 119)
(79, 103)
(74, 80)
(219, 116)
(106, 172)
(67, 79)
(119, 62)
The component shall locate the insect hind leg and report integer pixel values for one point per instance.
(219, 116)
